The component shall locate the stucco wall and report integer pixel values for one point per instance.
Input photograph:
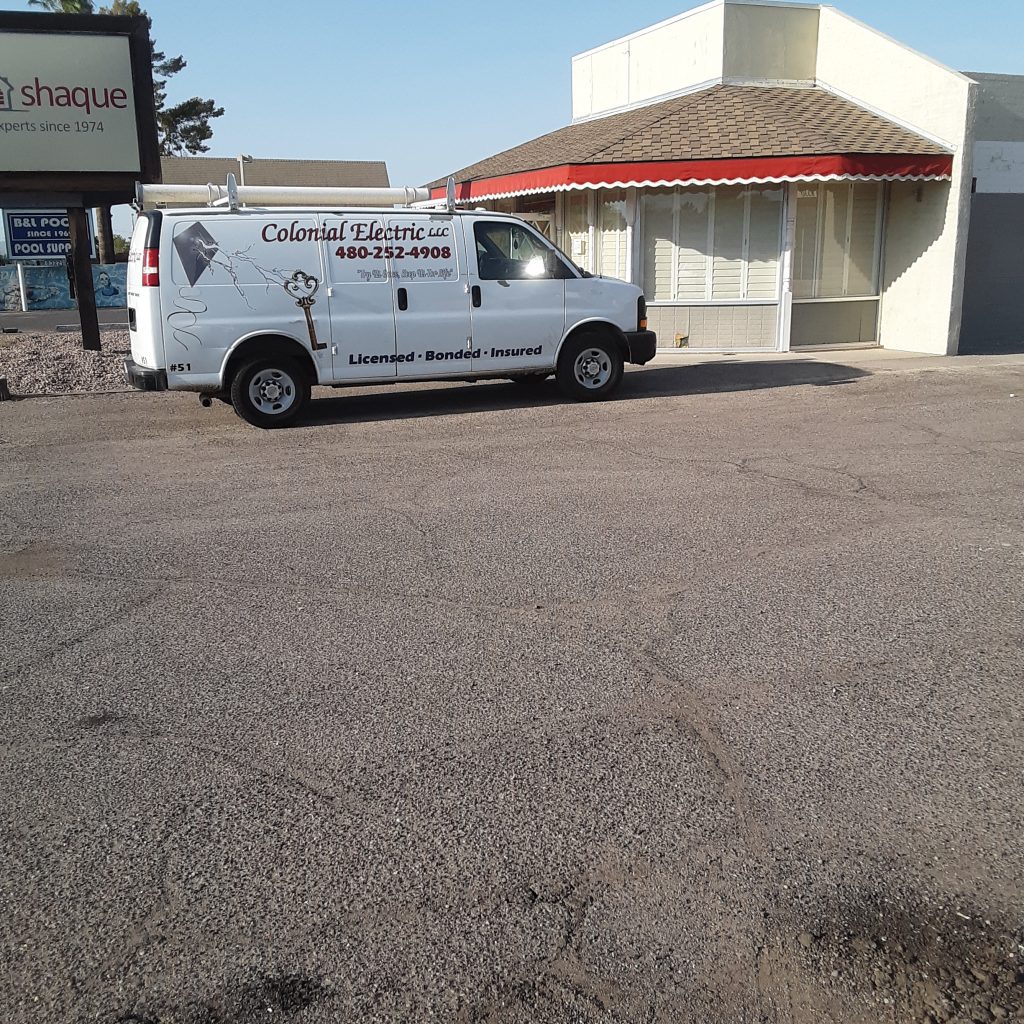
(1000, 101)
(993, 314)
(925, 241)
(773, 43)
(999, 131)
(668, 57)
(999, 167)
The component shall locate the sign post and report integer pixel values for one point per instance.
(77, 125)
(81, 260)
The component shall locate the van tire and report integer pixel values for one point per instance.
(589, 366)
(283, 385)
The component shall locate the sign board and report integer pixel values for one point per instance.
(38, 234)
(76, 107)
(66, 103)
(77, 125)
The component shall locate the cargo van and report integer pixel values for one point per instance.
(255, 304)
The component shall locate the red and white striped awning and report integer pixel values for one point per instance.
(740, 171)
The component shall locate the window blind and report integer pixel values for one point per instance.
(721, 244)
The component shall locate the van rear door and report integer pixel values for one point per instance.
(143, 285)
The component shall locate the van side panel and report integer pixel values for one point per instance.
(144, 321)
(225, 278)
(361, 296)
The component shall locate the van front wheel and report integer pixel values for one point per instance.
(589, 367)
(270, 391)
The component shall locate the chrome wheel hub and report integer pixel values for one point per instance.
(593, 368)
(272, 391)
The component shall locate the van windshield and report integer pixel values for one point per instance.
(508, 251)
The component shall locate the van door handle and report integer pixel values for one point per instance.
(403, 298)
(477, 297)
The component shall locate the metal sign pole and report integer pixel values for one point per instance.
(22, 290)
(81, 258)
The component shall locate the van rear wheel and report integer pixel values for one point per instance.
(270, 391)
(589, 367)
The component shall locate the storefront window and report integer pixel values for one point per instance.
(659, 245)
(612, 239)
(691, 245)
(838, 239)
(727, 251)
(576, 233)
(719, 244)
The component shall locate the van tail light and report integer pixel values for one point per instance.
(150, 268)
(641, 314)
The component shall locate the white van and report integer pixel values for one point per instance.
(254, 305)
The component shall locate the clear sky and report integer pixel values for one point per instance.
(431, 86)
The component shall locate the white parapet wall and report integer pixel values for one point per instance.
(926, 227)
(726, 40)
(681, 53)
(770, 43)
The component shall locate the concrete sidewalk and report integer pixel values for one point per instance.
(875, 360)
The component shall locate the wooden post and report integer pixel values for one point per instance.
(81, 259)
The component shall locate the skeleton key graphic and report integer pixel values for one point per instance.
(302, 287)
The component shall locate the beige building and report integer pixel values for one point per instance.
(199, 170)
(774, 176)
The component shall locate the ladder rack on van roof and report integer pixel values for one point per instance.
(232, 194)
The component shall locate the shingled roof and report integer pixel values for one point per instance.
(718, 123)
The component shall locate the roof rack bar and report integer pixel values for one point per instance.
(447, 202)
(276, 195)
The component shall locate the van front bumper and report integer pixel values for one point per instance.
(642, 346)
(143, 378)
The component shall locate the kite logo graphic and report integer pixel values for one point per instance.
(196, 248)
(6, 95)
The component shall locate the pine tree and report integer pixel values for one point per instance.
(185, 127)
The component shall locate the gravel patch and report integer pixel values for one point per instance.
(56, 364)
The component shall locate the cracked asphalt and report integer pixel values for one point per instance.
(456, 704)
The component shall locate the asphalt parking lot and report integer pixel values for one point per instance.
(703, 704)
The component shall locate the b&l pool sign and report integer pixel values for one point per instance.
(37, 234)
